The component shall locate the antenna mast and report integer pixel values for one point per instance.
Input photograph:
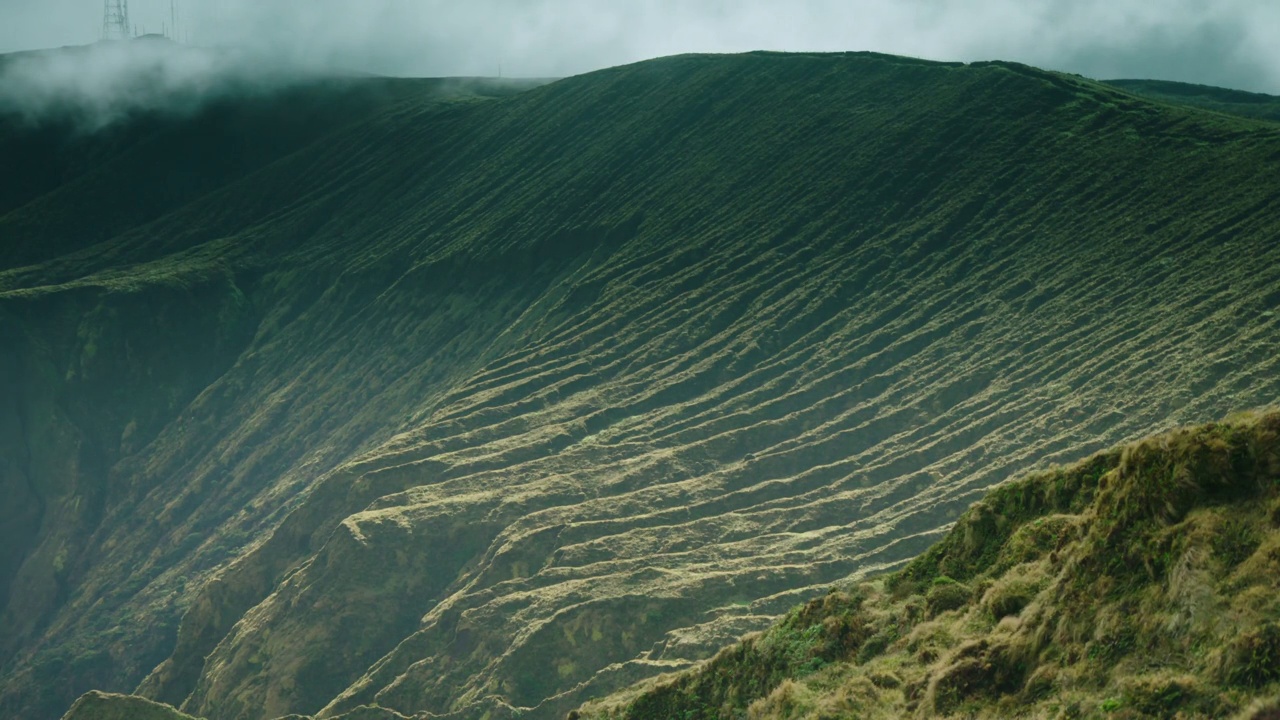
(115, 20)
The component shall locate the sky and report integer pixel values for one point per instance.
(1232, 43)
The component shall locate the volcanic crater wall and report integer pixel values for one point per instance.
(513, 402)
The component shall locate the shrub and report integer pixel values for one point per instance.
(787, 700)
(1253, 659)
(957, 682)
(842, 635)
(1113, 647)
(1041, 684)
(944, 596)
(1009, 597)
(1171, 696)
(877, 644)
(1262, 710)
(1034, 540)
(1236, 540)
(980, 668)
(885, 680)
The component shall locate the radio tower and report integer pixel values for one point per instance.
(115, 20)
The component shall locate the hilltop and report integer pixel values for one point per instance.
(493, 405)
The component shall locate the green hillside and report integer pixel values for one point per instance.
(1142, 582)
(65, 189)
(1234, 102)
(103, 706)
(485, 408)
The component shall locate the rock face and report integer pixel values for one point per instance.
(495, 404)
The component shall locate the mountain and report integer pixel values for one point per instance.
(486, 407)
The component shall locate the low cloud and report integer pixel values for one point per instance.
(1234, 43)
(95, 86)
(1231, 42)
(1228, 42)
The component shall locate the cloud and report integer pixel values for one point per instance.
(1224, 42)
(1228, 42)
(94, 86)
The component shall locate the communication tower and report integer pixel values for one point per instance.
(115, 20)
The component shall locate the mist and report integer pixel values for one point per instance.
(92, 87)
(1231, 43)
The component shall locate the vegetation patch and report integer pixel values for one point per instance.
(1097, 596)
(947, 594)
(1253, 658)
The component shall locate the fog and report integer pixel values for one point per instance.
(1233, 43)
(1225, 42)
(92, 87)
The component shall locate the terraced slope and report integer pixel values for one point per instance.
(491, 408)
(1142, 582)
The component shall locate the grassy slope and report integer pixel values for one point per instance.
(66, 190)
(103, 706)
(609, 372)
(71, 413)
(1234, 102)
(1142, 582)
